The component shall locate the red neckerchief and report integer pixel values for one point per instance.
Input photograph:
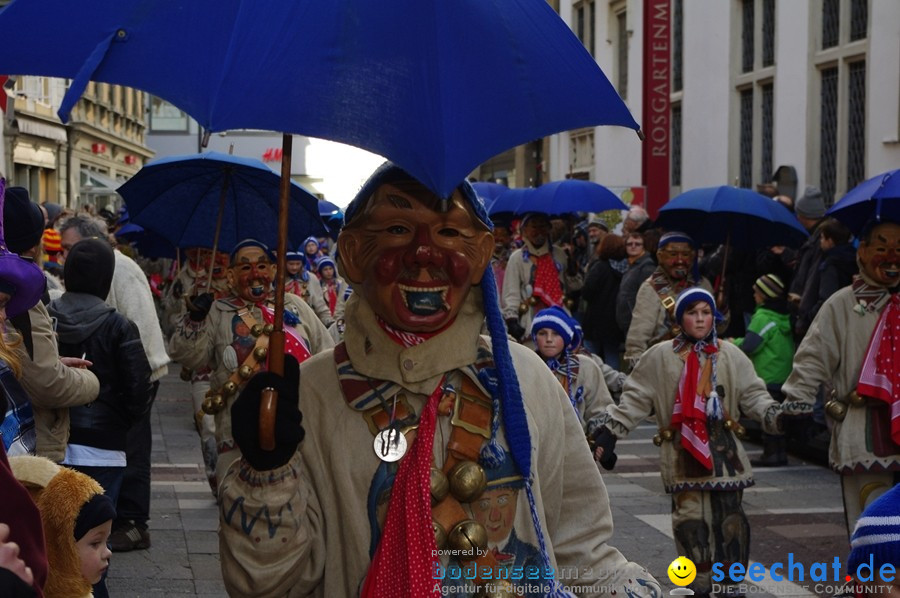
(880, 375)
(546, 281)
(407, 339)
(331, 293)
(690, 405)
(403, 564)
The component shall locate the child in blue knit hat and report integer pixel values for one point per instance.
(556, 335)
(875, 546)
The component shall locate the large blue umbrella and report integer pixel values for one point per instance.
(569, 196)
(437, 86)
(182, 198)
(740, 217)
(874, 200)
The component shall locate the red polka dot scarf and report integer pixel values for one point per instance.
(690, 404)
(546, 281)
(880, 375)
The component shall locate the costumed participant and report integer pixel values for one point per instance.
(556, 336)
(230, 336)
(192, 280)
(303, 282)
(77, 518)
(698, 387)
(332, 285)
(854, 344)
(311, 253)
(538, 275)
(653, 317)
(446, 413)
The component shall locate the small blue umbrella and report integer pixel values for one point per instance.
(183, 197)
(739, 217)
(874, 200)
(507, 203)
(488, 192)
(570, 196)
(437, 86)
(333, 217)
(147, 243)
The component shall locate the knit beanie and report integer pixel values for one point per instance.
(89, 268)
(811, 204)
(23, 220)
(690, 296)
(53, 212)
(96, 511)
(325, 260)
(52, 241)
(557, 320)
(770, 286)
(674, 237)
(877, 533)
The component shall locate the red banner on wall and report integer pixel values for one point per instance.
(656, 115)
(3, 79)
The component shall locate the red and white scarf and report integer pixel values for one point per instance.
(294, 344)
(690, 404)
(880, 375)
(546, 281)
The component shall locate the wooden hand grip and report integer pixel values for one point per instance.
(267, 406)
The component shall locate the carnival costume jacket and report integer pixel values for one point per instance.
(583, 380)
(652, 386)
(650, 321)
(309, 527)
(205, 344)
(833, 350)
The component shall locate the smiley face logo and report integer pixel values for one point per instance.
(682, 571)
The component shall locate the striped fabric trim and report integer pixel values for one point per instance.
(879, 520)
(542, 321)
(767, 328)
(875, 539)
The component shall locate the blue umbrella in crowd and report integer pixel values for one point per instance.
(507, 203)
(217, 200)
(146, 243)
(333, 217)
(568, 197)
(874, 200)
(729, 215)
(488, 192)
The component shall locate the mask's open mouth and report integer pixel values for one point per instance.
(425, 301)
(257, 290)
(892, 272)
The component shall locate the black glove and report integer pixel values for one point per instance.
(288, 431)
(199, 306)
(606, 440)
(515, 329)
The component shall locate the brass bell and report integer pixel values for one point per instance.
(657, 440)
(740, 431)
(667, 434)
(260, 353)
(440, 486)
(570, 304)
(207, 406)
(186, 374)
(532, 301)
(836, 410)
(729, 424)
(218, 403)
(245, 371)
(523, 308)
(440, 534)
(468, 537)
(256, 330)
(856, 400)
(467, 481)
(229, 388)
(499, 588)
(268, 329)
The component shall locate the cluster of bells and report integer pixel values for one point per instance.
(666, 435)
(837, 410)
(216, 402)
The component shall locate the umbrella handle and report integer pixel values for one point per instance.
(267, 405)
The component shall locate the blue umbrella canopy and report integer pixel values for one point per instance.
(507, 203)
(874, 200)
(488, 192)
(436, 86)
(570, 196)
(147, 243)
(741, 217)
(179, 198)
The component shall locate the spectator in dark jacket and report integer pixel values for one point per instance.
(89, 328)
(804, 289)
(838, 265)
(601, 287)
(640, 267)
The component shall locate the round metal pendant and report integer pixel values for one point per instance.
(390, 445)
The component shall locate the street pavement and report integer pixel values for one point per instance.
(794, 509)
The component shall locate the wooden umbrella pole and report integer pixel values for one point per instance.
(215, 247)
(267, 405)
(720, 292)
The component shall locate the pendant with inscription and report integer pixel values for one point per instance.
(390, 445)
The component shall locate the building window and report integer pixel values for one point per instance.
(746, 139)
(622, 52)
(831, 21)
(678, 46)
(166, 117)
(828, 126)
(584, 24)
(859, 19)
(856, 123)
(766, 126)
(582, 144)
(676, 145)
(768, 32)
(747, 35)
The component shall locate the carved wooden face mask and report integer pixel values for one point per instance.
(879, 257)
(412, 262)
(676, 259)
(251, 274)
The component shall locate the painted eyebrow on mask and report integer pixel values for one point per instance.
(399, 202)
